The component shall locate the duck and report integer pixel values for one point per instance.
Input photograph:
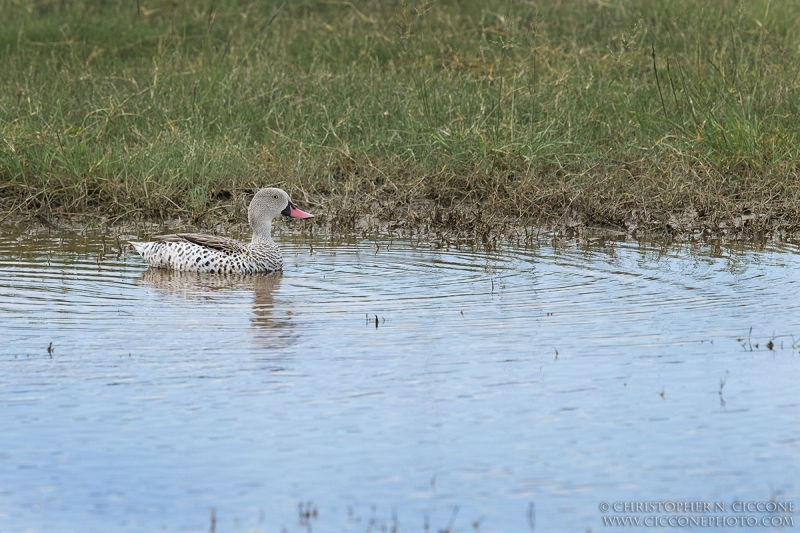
(196, 252)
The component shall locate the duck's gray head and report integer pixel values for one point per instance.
(266, 205)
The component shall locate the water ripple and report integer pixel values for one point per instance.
(567, 375)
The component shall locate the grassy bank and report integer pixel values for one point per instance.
(634, 114)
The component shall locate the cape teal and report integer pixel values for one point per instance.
(194, 252)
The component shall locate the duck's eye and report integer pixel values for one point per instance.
(274, 196)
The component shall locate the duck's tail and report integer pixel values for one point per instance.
(139, 246)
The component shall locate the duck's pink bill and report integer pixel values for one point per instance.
(297, 213)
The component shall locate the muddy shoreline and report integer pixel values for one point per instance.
(434, 226)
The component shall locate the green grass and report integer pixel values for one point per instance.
(650, 114)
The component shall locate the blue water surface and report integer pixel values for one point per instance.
(508, 391)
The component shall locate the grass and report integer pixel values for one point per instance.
(642, 115)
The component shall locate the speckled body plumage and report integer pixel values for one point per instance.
(194, 252)
(252, 257)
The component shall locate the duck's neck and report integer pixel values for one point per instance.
(262, 232)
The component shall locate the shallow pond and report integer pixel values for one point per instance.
(507, 391)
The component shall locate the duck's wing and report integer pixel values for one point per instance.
(173, 237)
(223, 244)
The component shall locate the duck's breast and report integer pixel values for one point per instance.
(262, 257)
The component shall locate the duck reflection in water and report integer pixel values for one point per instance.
(225, 290)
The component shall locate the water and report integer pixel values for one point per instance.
(510, 391)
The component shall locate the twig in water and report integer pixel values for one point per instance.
(452, 522)
(531, 516)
